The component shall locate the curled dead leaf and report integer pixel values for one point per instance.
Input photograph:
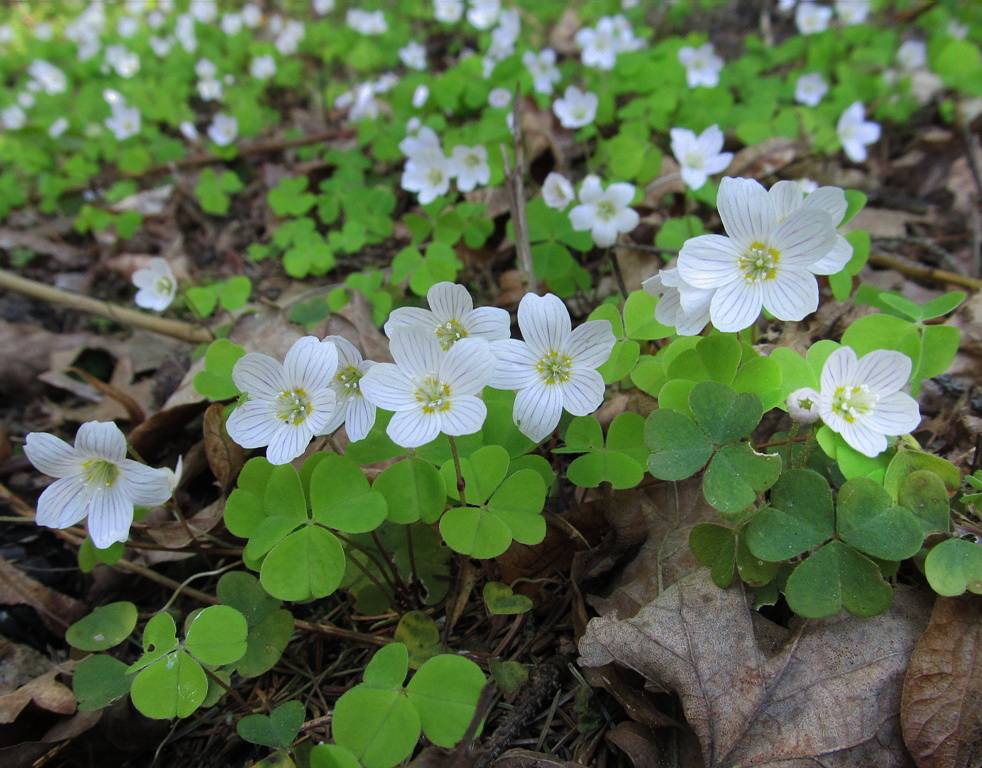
(225, 456)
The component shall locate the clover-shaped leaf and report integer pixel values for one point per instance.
(278, 730)
(868, 520)
(215, 381)
(923, 492)
(332, 756)
(98, 681)
(679, 448)
(954, 566)
(445, 692)
(501, 600)
(483, 472)
(105, 627)
(800, 516)
(341, 497)
(308, 563)
(620, 462)
(174, 686)
(413, 490)
(724, 415)
(713, 358)
(715, 546)
(420, 636)
(159, 639)
(837, 577)
(217, 635)
(736, 475)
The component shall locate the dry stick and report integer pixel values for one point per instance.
(918, 270)
(515, 184)
(175, 328)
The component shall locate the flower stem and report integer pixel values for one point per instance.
(460, 476)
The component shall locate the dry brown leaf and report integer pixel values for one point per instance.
(942, 700)
(56, 610)
(526, 758)
(829, 696)
(174, 535)
(225, 456)
(641, 745)
(44, 691)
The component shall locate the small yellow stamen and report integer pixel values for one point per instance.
(100, 472)
(293, 406)
(450, 332)
(853, 402)
(759, 263)
(433, 396)
(554, 367)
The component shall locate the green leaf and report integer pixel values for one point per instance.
(509, 675)
(714, 546)
(421, 637)
(98, 681)
(623, 358)
(105, 627)
(942, 305)
(413, 490)
(674, 232)
(954, 566)
(332, 756)
(923, 492)
(736, 475)
(837, 577)
(639, 318)
(679, 448)
(284, 496)
(723, 414)
(501, 600)
(217, 635)
(445, 692)
(278, 730)
(715, 357)
(242, 592)
(234, 292)
(855, 202)
(202, 299)
(289, 197)
(159, 639)
(752, 569)
(215, 381)
(518, 502)
(341, 497)
(868, 520)
(174, 686)
(306, 564)
(388, 667)
(761, 376)
(475, 532)
(380, 727)
(266, 642)
(800, 516)
(939, 345)
(483, 472)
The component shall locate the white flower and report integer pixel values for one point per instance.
(803, 406)
(123, 61)
(157, 285)
(700, 156)
(855, 133)
(852, 11)
(681, 306)
(127, 26)
(428, 170)
(483, 13)
(367, 22)
(789, 196)
(352, 409)
(161, 45)
(210, 90)
(557, 192)
(95, 479)
(862, 401)
(323, 7)
(360, 103)
(504, 36)
(807, 185)
(499, 97)
(470, 166)
(702, 65)
(124, 121)
(810, 89)
(912, 55)
(205, 11)
(957, 29)
(413, 55)
(429, 389)
(205, 69)
(224, 129)
(50, 79)
(184, 32)
(288, 40)
(188, 130)
(420, 95)
(288, 403)
(599, 45)
(13, 118)
(232, 23)
(58, 127)
(452, 317)
(263, 67)
(811, 18)
(252, 15)
(553, 368)
(576, 108)
(542, 67)
(448, 11)
(764, 261)
(155, 19)
(604, 213)
(43, 31)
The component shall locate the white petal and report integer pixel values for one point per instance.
(515, 366)
(544, 321)
(839, 370)
(468, 366)
(348, 353)
(718, 163)
(604, 233)
(259, 375)
(323, 403)
(102, 440)
(338, 415)
(590, 344)
(620, 194)
(411, 429)
(410, 317)
(387, 387)
(791, 294)
(787, 197)
(465, 416)
(832, 200)
(449, 301)
(144, 485)
(110, 516)
(591, 191)
(709, 261)
(310, 364)
(288, 442)
(883, 370)
(835, 260)
(803, 237)
(51, 455)
(736, 306)
(416, 352)
(252, 424)
(895, 414)
(360, 418)
(537, 410)
(710, 141)
(746, 210)
(489, 323)
(581, 217)
(694, 177)
(63, 503)
(682, 141)
(583, 392)
(864, 439)
(626, 220)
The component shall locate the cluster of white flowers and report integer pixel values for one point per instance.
(46, 77)
(121, 60)
(124, 121)
(601, 44)
(370, 23)
(699, 156)
(503, 37)
(702, 65)
(429, 170)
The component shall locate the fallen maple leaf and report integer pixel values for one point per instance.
(827, 694)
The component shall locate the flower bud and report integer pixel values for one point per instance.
(803, 405)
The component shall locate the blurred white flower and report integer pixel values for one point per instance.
(469, 165)
(184, 32)
(252, 15)
(43, 31)
(557, 192)
(224, 129)
(49, 78)
(852, 11)
(912, 55)
(420, 95)
(367, 22)
(205, 11)
(124, 121)
(210, 90)
(483, 13)
(413, 55)
(232, 23)
(702, 65)
(263, 67)
(124, 61)
(604, 212)
(811, 18)
(856, 133)
(699, 156)
(157, 285)
(323, 7)
(542, 67)
(188, 131)
(287, 42)
(809, 89)
(58, 127)
(448, 11)
(427, 171)
(499, 97)
(161, 46)
(26, 99)
(576, 108)
(13, 118)
(127, 26)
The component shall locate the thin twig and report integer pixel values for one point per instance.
(919, 270)
(515, 184)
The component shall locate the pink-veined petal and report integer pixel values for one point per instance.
(835, 260)
(537, 410)
(416, 352)
(514, 366)
(63, 503)
(323, 403)
(839, 370)
(832, 200)
(288, 442)
(786, 197)
(465, 416)
(583, 391)
(144, 485)
(102, 440)
(804, 237)
(348, 353)
(747, 213)
(864, 439)
(895, 414)
(310, 364)
(259, 375)
(544, 322)
(468, 366)
(411, 429)
(709, 261)
(590, 344)
(51, 455)
(110, 516)
(252, 424)
(491, 323)
(736, 306)
(449, 302)
(791, 294)
(387, 387)
(360, 418)
(883, 370)
(410, 317)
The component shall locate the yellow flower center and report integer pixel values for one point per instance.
(606, 210)
(449, 333)
(554, 367)
(694, 159)
(434, 176)
(349, 378)
(759, 263)
(100, 472)
(433, 396)
(164, 286)
(853, 402)
(293, 407)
